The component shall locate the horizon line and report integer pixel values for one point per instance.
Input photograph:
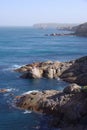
(38, 23)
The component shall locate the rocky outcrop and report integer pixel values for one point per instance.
(77, 73)
(37, 101)
(81, 30)
(47, 69)
(60, 34)
(72, 88)
(68, 108)
(73, 71)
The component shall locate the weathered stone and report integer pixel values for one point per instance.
(3, 90)
(73, 71)
(72, 88)
(49, 73)
(68, 108)
(36, 73)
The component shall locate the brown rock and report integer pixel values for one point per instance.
(72, 88)
(3, 90)
(36, 73)
(73, 71)
(49, 73)
(70, 108)
(17, 97)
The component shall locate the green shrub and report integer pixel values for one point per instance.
(84, 89)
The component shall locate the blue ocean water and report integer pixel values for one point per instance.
(23, 45)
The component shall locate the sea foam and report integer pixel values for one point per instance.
(26, 112)
(28, 92)
(13, 67)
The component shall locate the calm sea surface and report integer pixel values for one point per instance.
(20, 46)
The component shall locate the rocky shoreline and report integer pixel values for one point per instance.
(60, 34)
(68, 107)
(73, 71)
(80, 30)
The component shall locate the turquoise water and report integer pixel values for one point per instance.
(19, 46)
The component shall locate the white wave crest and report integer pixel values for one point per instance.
(16, 66)
(28, 92)
(12, 67)
(58, 79)
(26, 112)
(11, 89)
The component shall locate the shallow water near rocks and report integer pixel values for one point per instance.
(20, 46)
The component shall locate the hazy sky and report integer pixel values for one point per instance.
(28, 12)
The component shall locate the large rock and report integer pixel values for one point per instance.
(77, 73)
(35, 73)
(73, 71)
(69, 108)
(47, 69)
(36, 101)
(72, 88)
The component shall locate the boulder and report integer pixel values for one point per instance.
(72, 88)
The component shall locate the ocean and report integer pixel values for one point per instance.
(24, 45)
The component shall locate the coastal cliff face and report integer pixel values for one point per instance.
(81, 30)
(73, 71)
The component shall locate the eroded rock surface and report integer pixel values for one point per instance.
(68, 108)
(72, 88)
(73, 71)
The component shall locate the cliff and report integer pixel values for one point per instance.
(81, 30)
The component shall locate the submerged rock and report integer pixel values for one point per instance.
(72, 71)
(3, 90)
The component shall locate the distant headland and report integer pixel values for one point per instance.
(78, 29)
(54, 25)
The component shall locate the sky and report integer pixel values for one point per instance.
(29, 12)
